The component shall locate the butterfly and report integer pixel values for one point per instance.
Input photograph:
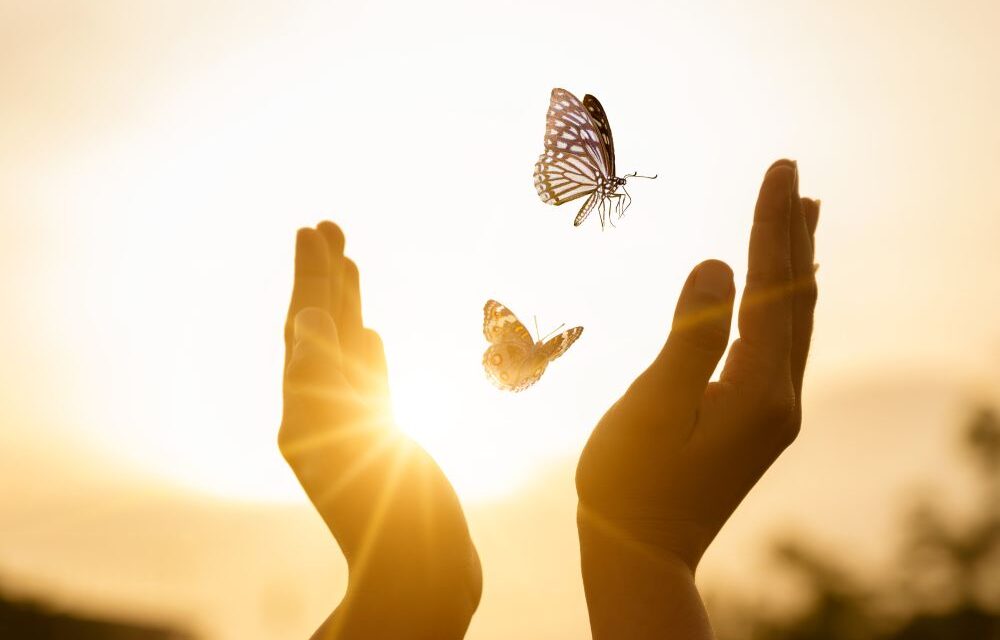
(514, 361)
(579, 158)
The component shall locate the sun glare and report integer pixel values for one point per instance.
(454, 434)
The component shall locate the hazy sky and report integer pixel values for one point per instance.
(156, 159)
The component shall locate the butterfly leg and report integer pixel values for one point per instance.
(619, 199)
(625, 198)
(606, 203)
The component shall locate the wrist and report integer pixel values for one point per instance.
(636, 589)
(398, 610)
(414, 599)
(670, 540)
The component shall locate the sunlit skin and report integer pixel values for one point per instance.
(671, 460)
(413, 570)
(662, 472)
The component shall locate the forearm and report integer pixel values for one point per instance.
(394, 597)
(421, 619)
(637, 592)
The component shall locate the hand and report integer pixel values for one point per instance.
(413, 570)
(672, 459)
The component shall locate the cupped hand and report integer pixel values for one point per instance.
(413, 570)
(671, 460)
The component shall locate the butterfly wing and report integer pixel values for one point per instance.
(588, 206)
(600, 119)
(526, 368)
(512, 368)
(558, 345)
(575, 157)
(530, 373)
(501, 325)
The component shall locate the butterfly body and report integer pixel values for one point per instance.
(514, 361)
(579, 158)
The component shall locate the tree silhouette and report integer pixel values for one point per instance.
(30, 620)
(946, 584)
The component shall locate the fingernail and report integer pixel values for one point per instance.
(714, 280)
(777, 191)
(784, 162)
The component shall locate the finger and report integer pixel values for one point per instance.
(335, 249)
(811, 213)
(316, 394)
(316, 357)
(351, 329)
(377, 377)
(311, 287)
(697, 340)
(804, 290)
(765, 317)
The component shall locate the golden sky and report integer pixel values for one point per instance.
(156, 159)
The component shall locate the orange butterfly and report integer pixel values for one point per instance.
(514, 361)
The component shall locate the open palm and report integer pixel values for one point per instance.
(390, 507)
(671, 460)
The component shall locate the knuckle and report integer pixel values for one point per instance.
(351, 270)
(286, 440)
(809, 292)
(374, 339)
(299, 369)
(707, 338)
(781, 418)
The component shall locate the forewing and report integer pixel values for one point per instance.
(558, 345)
(600, 119)
(575, 155)
(501, 325)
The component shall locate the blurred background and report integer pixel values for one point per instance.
(156, 159)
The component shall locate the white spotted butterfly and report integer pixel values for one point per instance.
(579, 158)
(514, 361)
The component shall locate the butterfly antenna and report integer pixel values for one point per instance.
(636, 175)
(537, 332)
(553, 331)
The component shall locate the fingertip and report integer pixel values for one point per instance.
(351, 274)
(704, 311)
(775, 199)
(350, 309)
(374, 340)
(333, 235)
(310, 252)
(783, 162)
(375, 350)
(714, 279)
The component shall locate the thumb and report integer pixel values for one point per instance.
(316, 353)
(697, 340)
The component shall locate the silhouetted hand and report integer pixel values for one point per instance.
(672, 459)
(413, 570)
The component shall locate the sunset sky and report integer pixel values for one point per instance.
(156, 159)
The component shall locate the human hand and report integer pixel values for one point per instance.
(671, 460)
(413, 570)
